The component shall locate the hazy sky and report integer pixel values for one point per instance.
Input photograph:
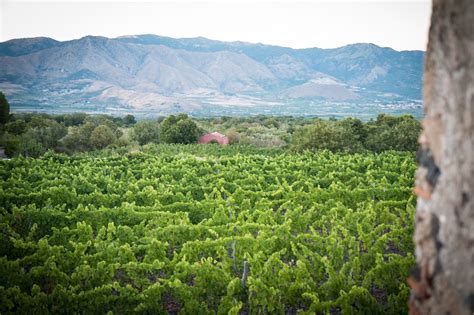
(400, 24)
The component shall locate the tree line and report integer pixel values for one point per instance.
(32, 134)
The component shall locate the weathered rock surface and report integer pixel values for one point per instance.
(444, 280)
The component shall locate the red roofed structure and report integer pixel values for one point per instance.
(217, 137)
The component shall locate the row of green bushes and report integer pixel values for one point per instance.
(32, 134)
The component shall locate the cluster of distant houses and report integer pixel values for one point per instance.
(214, 137)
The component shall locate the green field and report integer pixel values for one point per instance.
(169, 229)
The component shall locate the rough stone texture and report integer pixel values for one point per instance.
(443, 282)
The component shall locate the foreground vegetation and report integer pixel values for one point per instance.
(102, 214)
(206, 229)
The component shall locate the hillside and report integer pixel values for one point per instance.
(155, 74)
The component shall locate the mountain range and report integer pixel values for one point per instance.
(150, 74)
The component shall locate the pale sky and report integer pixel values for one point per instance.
(400, 24)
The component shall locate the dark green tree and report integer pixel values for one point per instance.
(12, 144)
(146, 132)
(29, 146)
(129, 120)
(384, 119)
(46, 131)
(356, 127)
(179, 129)
(4, 109)
(16, 127)
(74, 119)
(102, 136)
(326, 135)
(406, 133)
(393, 133)
(78, 138)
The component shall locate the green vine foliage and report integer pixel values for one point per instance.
(170, 229)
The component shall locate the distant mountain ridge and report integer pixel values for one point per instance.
(163, 74)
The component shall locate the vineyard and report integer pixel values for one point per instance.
(206, 230)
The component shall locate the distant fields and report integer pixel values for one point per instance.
(205, 230)
(363, 110)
